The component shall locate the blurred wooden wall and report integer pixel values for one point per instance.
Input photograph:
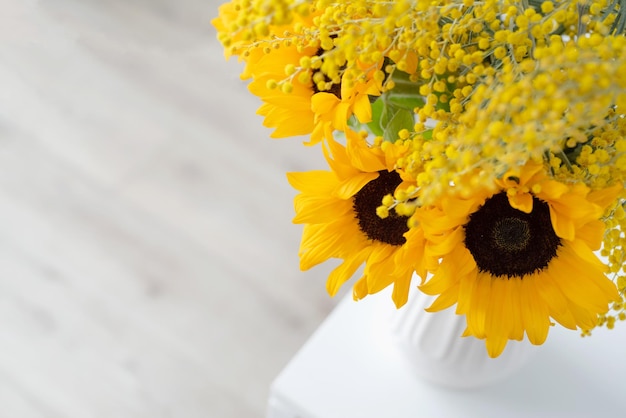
(148, 264)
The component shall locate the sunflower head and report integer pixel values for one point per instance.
(507, 242)
(339, 211)
(521, 256)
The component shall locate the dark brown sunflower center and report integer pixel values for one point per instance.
(508, 242)
(389, 230)
(511, 234)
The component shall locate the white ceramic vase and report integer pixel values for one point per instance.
(433, 346)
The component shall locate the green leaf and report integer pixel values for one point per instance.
(402, 119)
(405, 93)
(376, 124)
(387, 112)
(405, 100)
(354, 123)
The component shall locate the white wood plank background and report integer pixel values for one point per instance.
(148, 264)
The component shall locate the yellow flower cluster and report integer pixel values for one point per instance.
(538, 107)
(439, 117)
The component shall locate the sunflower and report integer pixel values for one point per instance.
(300, 105)
(302, 87)
(338, 210)
(514, 258)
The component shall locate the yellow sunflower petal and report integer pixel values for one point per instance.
(321, 242)
(362, 155)
(576, 207)
(534, 312)
(339, 160)
(435, 221)
(551, 293)
(446, 299)
(595, 275)
(344, 272)
(551, 190)
(286, 102)
(313, 182)
(363, 108)
(459, 209)
(322, 130)
(412, 254)
(565, 318)
(584, 318)
(522, 201)
(323, 102)
(477, 314)
(529, 172)
(497, 322)
(577, 283)
(450, 272)
(563, 227)
(277, 118)
(443, 279)
(605, 197)
(466, 286)
(401, 288)
(360, 290)
(558, 305)
(350, 186)
(518, 176)
(515, 309)
(445, 244)
(319, 209)
(578, 248)
(592, 233)
(380, 267)
(340, 117)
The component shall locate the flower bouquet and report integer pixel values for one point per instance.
(476, 147)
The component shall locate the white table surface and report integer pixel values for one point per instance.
(347, 370)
